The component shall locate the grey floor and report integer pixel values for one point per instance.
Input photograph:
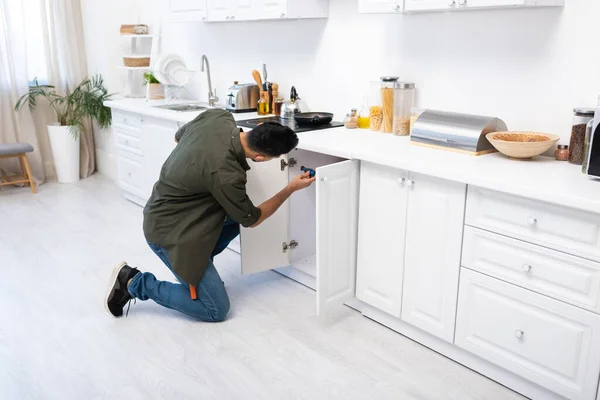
(57, 249)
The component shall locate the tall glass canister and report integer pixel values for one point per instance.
(388, 89)
(404, 98)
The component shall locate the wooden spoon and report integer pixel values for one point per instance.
(256, 76)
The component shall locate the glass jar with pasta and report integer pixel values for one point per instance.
(404, 97)
(388, 88)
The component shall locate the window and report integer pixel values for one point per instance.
(35, 37)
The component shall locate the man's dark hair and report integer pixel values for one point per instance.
(272, 139)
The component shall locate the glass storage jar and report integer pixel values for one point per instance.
(581, 118)
(404, 97)
(375, 110)
(351, 120)
(388, 94)
(364, 116)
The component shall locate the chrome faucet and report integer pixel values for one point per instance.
(212, 96)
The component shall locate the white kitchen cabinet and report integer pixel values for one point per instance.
(158, 141)
(314, 231)
(380, 6)
(409, 246)
(248, 10)
(546, 341)
(187, 10)
(443, 5)
(381, 237)
(435, 221)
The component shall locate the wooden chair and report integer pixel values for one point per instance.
(17, 150)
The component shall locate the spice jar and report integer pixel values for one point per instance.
(277, 104)
(388, 85)
(351, 120)
(404, 97)
(581, 118)
(562, 152)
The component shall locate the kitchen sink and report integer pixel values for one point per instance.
(184, 107)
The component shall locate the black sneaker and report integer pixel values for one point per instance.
(117, 295)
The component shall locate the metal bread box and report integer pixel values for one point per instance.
(463, 133)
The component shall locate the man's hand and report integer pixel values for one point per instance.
(301, 181)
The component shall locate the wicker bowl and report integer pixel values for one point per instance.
(522, 145)
(136, 61)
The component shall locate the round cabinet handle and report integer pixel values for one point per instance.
(531, 221)
(526, 268)
(282, 15)
(463, 2)
(410, 183)
(324, 179)
(397, 7)
(233, 17)
(452, 3)
(129, 174)
(519, 334)
(401, 181)
(227, 18)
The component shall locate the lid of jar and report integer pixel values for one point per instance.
(404, 85)
(563, 146)
(354, 109)
(389, 78)
(348, 115)
(584, 111)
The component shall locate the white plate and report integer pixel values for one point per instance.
(158, 70)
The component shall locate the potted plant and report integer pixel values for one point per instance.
(72, 109)
(154, 89)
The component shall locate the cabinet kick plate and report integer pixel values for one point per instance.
(291, 162)
(289, 246)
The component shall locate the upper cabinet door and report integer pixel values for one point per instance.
(435, 221)
(431, 5)
(219, 10)
(187, 10)
(263, 246)
(381, 236)
(271, 9)
(337, 222)
(245, 10)
(380, 6)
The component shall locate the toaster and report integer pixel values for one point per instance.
(242, 97)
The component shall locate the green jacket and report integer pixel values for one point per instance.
(202, 182)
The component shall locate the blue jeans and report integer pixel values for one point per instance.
(212, 303)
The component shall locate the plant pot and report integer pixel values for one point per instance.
(155, 91)
(65, 151)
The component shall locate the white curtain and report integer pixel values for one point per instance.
(16, 127)
(66, 66)
(66, 60)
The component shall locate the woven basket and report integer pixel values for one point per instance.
(136, 61)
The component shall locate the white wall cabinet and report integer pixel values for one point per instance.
(249, 10)
(380, 6)
(315, 230)
(187, 10)
(410, 234)
(399, 6)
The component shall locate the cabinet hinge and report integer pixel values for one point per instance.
(291, 162)
(289, 246)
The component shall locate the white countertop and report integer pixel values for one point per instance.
(543, 179)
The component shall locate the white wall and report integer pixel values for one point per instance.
(529, 67)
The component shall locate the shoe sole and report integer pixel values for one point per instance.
(111, 284)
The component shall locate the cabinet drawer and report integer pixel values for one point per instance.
(129, 143)
(555, 274)
(127, 120)
(546, 341)
(560, 228)
(131, 174)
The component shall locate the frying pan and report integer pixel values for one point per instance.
(313, 118)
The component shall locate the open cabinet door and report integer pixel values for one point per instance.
(263, 247)
(337, 224)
